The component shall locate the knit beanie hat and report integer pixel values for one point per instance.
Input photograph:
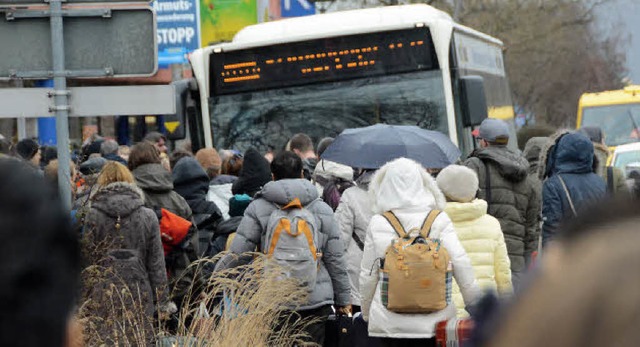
(458, 183)
(209, 158)
(27, 148)
(238, 204)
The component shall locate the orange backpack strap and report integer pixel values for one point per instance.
(428, 223)
(304, 228)
(395, 223)
(283, 225)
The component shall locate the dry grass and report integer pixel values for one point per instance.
(252, 314)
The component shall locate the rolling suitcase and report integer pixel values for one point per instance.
(454, 332)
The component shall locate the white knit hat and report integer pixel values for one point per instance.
(458, 183)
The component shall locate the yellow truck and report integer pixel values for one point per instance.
(616, 112)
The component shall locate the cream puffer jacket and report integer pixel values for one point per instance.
(482, 239)
(404, 187)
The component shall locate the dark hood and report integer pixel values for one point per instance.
(284, 191)
(154, 178)
(118, 199)
(192, 183)
(189, 179)
(532, 151)
(510, 164)
(572, 154)
(255, 173)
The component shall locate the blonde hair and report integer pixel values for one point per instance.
(114, 172)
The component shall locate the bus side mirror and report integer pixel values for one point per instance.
(176, 124)
(473, 100)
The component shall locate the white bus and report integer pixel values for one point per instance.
(321, 74)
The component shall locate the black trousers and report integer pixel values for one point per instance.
(315, 330)
(387, 342)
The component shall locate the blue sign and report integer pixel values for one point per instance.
(297, 8)
(177, 30)
(46, 126)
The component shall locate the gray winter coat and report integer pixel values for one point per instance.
(514, 199)
(157, 184)
(121, 203)
(332, 281)
(354, 214)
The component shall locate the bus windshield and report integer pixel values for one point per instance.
(619, 123)
(267, 119)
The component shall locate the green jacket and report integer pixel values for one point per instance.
(513, 197)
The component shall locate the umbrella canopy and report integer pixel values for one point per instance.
(373, 146)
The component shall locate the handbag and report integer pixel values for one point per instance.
(343, 331)
(338, 331)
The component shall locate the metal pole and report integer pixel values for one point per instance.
(22, 128)
(61, 103)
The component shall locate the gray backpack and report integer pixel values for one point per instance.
(291, 243)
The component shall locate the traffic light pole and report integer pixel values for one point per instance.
(61, 103)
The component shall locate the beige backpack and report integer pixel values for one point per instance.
(416, 270)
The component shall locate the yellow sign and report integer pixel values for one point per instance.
(220, 20)
(171, 126)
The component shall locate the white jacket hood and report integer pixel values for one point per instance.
(403, 184)
(330, 169)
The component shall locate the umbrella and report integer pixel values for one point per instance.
(373, 146)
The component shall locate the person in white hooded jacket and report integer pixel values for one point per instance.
(405, 188)
(354, 214)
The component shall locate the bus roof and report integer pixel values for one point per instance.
(344, 23)
(628, 95)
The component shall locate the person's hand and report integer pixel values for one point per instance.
(345, 310)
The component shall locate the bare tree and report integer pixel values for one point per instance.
(554, 51)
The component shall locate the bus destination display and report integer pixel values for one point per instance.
(322, 60)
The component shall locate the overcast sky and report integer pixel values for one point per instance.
(626, 12)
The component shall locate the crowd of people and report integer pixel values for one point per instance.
(527, 228)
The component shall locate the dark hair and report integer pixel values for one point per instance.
(47, 154)
(92, 148)
(178, 154)
(286, 165)
(27, 148)
(232, 165)
(323, 144)
(39, 260)
(155, 137)
(143, 153)
(301, 142)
